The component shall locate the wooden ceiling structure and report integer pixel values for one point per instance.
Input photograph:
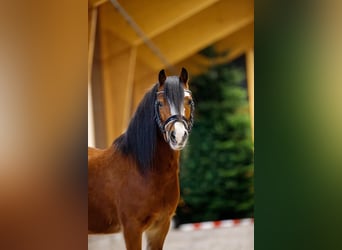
(122, 65)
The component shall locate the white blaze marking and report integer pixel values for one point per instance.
(179, 131)
(186, 93)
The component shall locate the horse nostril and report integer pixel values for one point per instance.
(173, 136)
(185, 135)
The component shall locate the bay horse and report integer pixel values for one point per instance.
(133, 185)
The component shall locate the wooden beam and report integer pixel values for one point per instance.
(243, 36)
(92, 21)
(95, 3)
(235, 44)
(250, 84)
(153, 16)
(91, 131)
(217, 21)
(97, 89)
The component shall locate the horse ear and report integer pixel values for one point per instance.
(162, 77)
(183, 76)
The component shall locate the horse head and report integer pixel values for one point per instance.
(174, 108)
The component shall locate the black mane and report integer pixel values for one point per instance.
(140, 138)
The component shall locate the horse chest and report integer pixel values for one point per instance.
(166, 194)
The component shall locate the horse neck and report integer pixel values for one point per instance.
(166, 159)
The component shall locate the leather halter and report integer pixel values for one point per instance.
(174, 118)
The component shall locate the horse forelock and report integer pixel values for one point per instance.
(174, 93)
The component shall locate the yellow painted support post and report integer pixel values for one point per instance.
(129, 89)
(250, 83)
(92, 21)
(118, 78)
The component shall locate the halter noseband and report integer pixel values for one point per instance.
(174, 118)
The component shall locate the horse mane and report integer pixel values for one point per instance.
(140, 138)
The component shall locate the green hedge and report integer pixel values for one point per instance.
(217, 165)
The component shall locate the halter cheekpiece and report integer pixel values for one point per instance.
(174, 118)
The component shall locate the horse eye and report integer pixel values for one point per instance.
(189, 102)
(160, 104)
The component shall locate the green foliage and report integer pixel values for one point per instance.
(217, 165)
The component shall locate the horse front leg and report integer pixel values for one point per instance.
(133, 235)
(156, 234)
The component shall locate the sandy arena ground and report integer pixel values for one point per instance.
(234, 238)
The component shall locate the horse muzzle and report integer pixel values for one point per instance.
(177, 135)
